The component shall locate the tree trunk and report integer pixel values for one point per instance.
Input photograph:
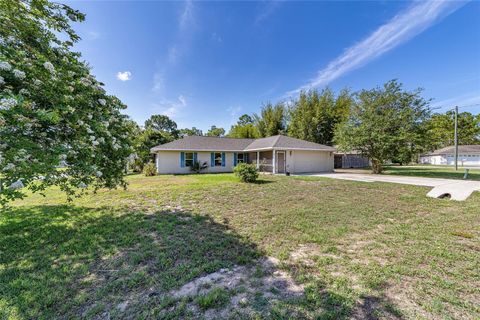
(377, 166)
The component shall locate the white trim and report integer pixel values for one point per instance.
(244, 150)
(304, 149)
(195, 150)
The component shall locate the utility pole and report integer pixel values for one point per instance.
(456, 138)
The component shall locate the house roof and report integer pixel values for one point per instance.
(284, 142)
(461, 149)
(201, 143)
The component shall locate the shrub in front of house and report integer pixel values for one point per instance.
(149, 169)
(246, 172)
(197, 166)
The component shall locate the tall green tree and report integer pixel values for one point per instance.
(187, 132)
(271, 120)
(215, 132)
(245, 128)
(441, 129)
(160, 122)
(146, 140)
(314, 115)
(53, 112)
(385, 123)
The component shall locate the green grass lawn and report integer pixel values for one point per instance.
(358, 249)
(446, 172)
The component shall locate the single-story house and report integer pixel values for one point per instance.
(276, 154)
(468, 155)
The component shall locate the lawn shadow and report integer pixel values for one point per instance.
(333, 305)
(68, 261)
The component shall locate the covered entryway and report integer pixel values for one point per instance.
(280, 162)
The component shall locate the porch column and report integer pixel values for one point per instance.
(258, 159)
(274, 161)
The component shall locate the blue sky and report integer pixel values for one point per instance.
(206, 63)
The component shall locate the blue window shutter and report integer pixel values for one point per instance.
(223, 159)
(194, 157)
(182, 159)
(234, 159)
(212, 159)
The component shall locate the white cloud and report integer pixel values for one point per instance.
(172, 54)
(186, 17)
(267, 10)
(124, 75)
(471, 99)
(401, 28)
(93, 35)
(170, 108)
(158, 82)
(216, 37)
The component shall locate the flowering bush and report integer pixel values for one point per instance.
(53, 112)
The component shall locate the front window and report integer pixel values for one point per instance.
(218, 159)
(188, 159)
(241, 158)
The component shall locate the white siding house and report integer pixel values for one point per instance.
(277, 154)
(468, 155)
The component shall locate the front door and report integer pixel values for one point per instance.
(281, 161)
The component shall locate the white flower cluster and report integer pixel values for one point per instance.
(86, 81)
(24, 92)
(5, 66)
(20, 75)
(102, 102)
(37, 82)
(17, 185)
(49, 66)
(7, 103)
(82, 185)
(9, 167)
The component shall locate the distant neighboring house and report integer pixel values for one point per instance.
(468, 155)
(277, 154)
(350, 159)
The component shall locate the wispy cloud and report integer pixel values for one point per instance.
(268, 8)
(176, 49)
(216, 37)
(401, 28)
(186, 18)
(172, 109)
(93, 35)
(124, 75)
(471, 99)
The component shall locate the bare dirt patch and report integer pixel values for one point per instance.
(252, 290)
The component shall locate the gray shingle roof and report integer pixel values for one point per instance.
(461, 149)
(200, 143)
(284, 142)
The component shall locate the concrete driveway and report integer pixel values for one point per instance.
(455, 189)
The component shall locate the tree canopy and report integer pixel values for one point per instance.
(53, 112)
(244, 128)
(385, 123)
(441, 129)
(314, 115)
(160, 122)
(190, 132)
(271, 121)
(215, 132)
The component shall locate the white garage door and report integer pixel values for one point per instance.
(312, 161)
